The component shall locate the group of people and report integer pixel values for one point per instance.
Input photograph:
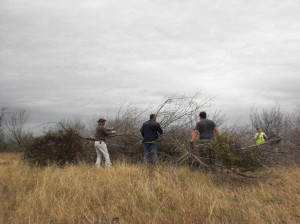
(206, 130)
(150, 131)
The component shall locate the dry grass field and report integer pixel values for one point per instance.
(140, 194)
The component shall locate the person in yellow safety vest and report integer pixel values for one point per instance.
(260, 137)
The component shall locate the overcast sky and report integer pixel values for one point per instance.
(66, 58)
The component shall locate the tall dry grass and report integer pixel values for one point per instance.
(139, 194)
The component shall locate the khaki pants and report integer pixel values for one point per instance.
(101, 149)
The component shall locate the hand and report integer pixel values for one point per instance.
(113, 132)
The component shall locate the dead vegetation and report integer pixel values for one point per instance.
(128, 193)
(226, 191)
(232, 150)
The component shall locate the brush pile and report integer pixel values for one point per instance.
(177, 116)
(66, 147)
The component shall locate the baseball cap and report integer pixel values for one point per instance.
(101, 120)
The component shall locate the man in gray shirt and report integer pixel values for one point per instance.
(205, 128)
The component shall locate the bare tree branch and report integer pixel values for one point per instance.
(14, 124)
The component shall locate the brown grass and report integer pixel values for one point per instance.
(139, 194)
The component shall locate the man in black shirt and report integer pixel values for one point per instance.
(150, 131)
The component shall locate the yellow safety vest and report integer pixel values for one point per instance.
(260, 138)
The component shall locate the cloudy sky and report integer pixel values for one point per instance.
(66, 58)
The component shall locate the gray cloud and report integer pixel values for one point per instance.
(66, 58)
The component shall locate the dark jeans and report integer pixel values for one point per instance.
(152, 147)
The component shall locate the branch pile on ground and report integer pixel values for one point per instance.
(177, 116)
(275, 152)
(66, 146)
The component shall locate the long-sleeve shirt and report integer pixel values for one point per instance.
(150, 130)
(101, 133)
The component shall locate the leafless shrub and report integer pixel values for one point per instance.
(243, 133)
(218, 117)
(287, 126)
(181, 111)
(15, 125)
(268, 118)
(295, 127)
(2, 136)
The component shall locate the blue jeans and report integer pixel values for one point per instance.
(152, 147)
